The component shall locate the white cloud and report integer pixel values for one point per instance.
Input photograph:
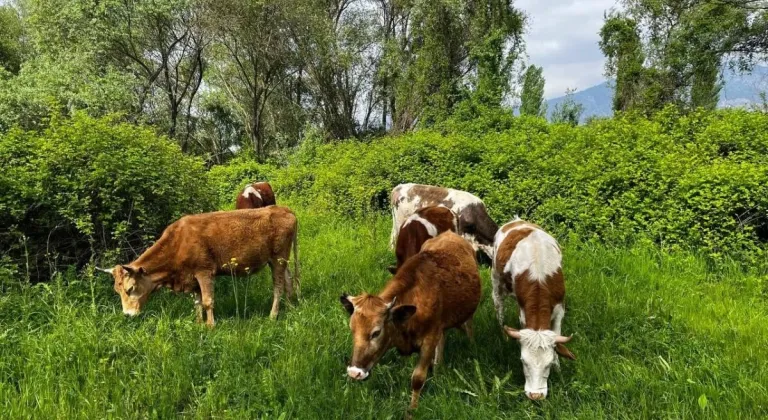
(563, 38)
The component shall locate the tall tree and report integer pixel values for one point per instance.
(255, 55)
(11, 44)
(568, 111)
(532, 95)
(684, 44)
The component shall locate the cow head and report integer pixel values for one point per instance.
(375, 324)
(537, 351)
(133, 285)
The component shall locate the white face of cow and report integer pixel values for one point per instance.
(538, 354)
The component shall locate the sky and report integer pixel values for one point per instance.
(562, 38)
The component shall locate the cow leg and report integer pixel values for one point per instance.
(420, 373)
(469, 329)
(205, 281)
(498, 297)
(288, 282)
(278, 284)
(439, 351)
(198, 307)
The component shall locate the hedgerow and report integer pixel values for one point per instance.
(86, 185)
(698, 180)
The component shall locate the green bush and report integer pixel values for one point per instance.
(85, 185)
(695, 181)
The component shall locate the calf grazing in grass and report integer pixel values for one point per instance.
(528, 265)
(194, 249)
(474, 223)
(436, 289)
(418, 228)
(255, 196)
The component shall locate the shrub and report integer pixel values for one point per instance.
(85, 185)
(698, 180)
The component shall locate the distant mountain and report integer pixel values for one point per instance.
(740, 90)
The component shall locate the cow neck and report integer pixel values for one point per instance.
(536, 301)
(157, 261)
(398, 286)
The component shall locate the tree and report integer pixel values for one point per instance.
(568, 111)
(254, 56)
(683, 45)
(11, 46)
(532, 96)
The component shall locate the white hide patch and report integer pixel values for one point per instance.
(431, 229)
(250, 190)
(538, 253)
(537, 351)
(355, 372)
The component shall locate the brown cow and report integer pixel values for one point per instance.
(474, 222)
(528, 265)
(256, 195)
(436, 289)
(421, 226)
(194, 249)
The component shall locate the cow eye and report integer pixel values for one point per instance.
(375, 334)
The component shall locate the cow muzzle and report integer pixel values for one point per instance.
(131, 312)
(536, 396)
(356, 373)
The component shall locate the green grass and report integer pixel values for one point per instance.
(656, 336)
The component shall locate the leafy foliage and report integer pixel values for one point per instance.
(698, 181)
(85, 185)
(532, 97)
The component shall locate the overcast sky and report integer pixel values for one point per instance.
(562, 37)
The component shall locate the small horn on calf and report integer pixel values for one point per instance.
(562, 340)
(512, 332)
(105, 270)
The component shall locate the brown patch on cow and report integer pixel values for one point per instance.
(194, 249)
(431, 195)
(436, 289)
(475, 221)
(413, 234)
(539, 299)
(251, 201)
(504, 253)
(509, 226)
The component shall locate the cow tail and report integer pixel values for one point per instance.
(296, 259)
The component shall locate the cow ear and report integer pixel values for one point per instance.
(128, 269)
(344, 299)
(402, 313)
(142, 271)
(563, 351)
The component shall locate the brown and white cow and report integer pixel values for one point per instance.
(418, 228)
(436, 289)
(474, 223)
(528, 265)
(194, 249)
(256, 195)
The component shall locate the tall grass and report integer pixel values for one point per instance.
(656, 336)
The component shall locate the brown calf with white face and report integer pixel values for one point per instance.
(423, 225)
(436, 289)
(194, 249)
(528, 265)
(474, 222)
(255, 196)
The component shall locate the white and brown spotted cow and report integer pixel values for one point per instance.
(420, 227)
(474, 223)
(528, 265)
(255, 196)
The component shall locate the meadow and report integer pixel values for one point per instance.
(656, 335)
